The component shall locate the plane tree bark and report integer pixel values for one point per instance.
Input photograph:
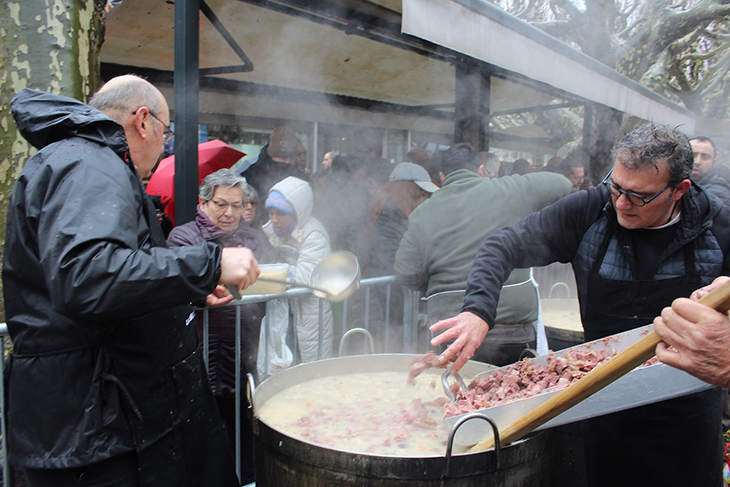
(51, 46)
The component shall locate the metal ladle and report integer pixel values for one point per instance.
(335, 278)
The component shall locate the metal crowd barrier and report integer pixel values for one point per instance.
(7, 478)
(344, 321)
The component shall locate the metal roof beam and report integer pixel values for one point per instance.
(247, 65)
(246, 88)
(480, 30)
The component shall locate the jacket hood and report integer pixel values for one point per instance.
(45, 118)
(299, 194)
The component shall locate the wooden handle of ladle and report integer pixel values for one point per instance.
(597, 379)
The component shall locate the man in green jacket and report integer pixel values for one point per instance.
(445, 232)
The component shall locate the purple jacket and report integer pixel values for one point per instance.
(221, 321)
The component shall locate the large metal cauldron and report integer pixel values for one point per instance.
(283, 461)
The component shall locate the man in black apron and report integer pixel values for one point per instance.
(643, 237)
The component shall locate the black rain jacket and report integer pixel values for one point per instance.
(106, 359)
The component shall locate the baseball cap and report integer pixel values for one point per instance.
(407, 171)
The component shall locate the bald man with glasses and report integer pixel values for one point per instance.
(107, 384)
(642, 238)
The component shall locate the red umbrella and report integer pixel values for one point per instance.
(212, 156)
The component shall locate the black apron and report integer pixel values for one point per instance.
(178, 432)
(675, 442)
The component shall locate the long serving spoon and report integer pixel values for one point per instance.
(335, 278)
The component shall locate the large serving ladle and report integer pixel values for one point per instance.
(335, 279)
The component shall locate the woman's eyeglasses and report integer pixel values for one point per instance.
(223, 206)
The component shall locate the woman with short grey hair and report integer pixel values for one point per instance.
(224, 178)
(223, 198)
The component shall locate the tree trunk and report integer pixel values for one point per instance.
(48, 46)
(607, 131)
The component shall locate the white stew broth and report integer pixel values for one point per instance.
(376, 413)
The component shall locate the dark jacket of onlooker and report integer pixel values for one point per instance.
(265, 173)
(385, 236)
(716, 184)
(343, 208)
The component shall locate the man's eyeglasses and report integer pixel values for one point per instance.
(223, 206)
(633, 198)
(168, 133)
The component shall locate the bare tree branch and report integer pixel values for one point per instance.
(570, 8)
(678, 48)
(665, 29)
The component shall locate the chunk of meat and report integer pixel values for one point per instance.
(525, 379)
(419, 364)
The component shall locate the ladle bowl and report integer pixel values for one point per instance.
(335, 278)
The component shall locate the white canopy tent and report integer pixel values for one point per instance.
(482, 31)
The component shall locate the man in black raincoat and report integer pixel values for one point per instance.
(106, 385)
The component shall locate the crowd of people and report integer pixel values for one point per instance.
(98, 300)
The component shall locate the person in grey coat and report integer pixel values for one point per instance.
(705, 172)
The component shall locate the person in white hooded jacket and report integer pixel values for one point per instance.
(303, 241)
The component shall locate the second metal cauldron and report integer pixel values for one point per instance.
(285, 461)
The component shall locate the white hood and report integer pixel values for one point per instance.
(297, 193)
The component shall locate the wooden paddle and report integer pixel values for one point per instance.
(598, 378)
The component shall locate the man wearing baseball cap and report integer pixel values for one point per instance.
(408, 186)
(408, 171)
(445, 232)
